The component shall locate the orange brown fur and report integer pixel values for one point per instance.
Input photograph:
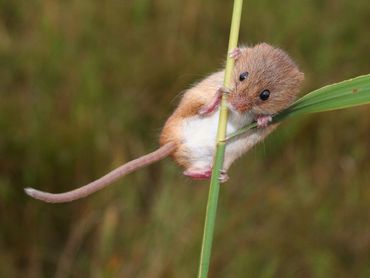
(189, 134)
(193, 100)
(269, 68)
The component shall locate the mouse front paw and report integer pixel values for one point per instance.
(212, 106)
(263, 120)
(223, 90)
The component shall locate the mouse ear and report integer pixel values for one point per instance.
(244, 52)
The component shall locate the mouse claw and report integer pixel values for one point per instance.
(223, 90)
(263, 121)
(224, 177)
(211, 107)
(235, 54)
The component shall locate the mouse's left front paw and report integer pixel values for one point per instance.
(263, 120)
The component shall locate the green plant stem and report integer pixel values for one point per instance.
(220, 149)
(345, 94)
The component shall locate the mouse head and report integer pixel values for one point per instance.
(265, 80)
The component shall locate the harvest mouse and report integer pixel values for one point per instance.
(265, 81)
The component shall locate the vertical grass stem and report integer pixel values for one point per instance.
(220, 149)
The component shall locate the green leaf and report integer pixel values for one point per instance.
(345, 94)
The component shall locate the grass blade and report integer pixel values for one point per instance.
(220, 149)
(345, 94)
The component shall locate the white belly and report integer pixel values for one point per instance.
(199, 136)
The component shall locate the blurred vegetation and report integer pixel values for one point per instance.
(87, 85)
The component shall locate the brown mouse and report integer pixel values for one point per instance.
(265, 81)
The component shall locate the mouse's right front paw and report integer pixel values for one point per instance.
(211, 107)
(223, 90)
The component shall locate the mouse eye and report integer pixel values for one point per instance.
(243, 76)
(264, 95)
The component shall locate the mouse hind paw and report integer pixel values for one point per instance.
(224, 177)
(198, 174)
(205, 174)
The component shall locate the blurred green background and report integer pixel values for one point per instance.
(87, 85)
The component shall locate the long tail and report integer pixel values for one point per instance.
(104, 181)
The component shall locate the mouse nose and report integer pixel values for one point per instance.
(239, 103)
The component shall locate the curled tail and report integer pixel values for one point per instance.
(104, 181)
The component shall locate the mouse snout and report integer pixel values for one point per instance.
(239, 103)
